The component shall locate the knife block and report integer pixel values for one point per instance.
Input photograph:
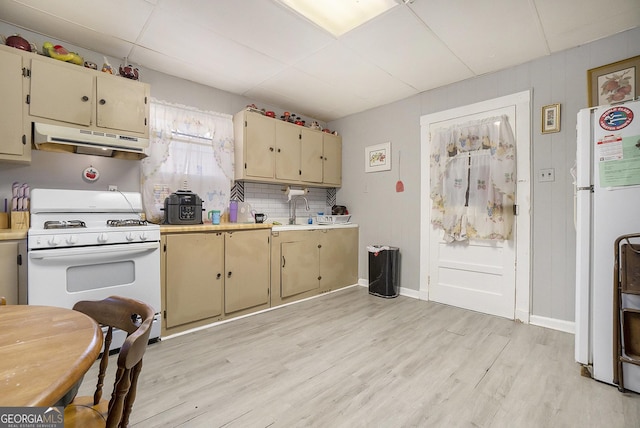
(20, 220)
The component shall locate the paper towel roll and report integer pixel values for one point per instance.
(294, 192)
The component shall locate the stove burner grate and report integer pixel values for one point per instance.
(71, 224)
(126, 222)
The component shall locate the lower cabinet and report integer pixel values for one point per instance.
(9, 280)
(208, 276)
(308, 262)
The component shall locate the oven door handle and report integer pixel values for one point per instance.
(124, 249)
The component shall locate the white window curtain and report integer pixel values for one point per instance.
(189, 149)
(472, 169)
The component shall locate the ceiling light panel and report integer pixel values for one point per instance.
(339, 16)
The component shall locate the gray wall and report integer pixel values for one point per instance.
(387, 217)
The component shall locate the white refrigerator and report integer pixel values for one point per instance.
(607, 206)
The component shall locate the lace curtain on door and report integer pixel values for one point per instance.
(473, 180)
(189, 149)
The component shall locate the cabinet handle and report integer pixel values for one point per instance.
(102, 102)
(85, 98)
(278, 150)
(321, 157)
(270, 149)
(319, 246)
(229, 274)
(284, 261)
(218, 276)
(319, 278)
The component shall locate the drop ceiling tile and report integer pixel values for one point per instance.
(486, 36)
(117, 18)
(195, 73)
(202, 48)
(265, 26)
(53, 28)
(411, 53)
(344, 71)
(567, 26)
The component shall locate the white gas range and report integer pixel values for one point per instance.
(89, 245)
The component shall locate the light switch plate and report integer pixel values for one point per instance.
(548, 174)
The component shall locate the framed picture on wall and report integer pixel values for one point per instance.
(614, 83)
(377, 158)
(550, 118)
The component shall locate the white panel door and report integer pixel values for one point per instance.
(478, 274)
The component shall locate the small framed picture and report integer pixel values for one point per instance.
(551, 118)
(377, 158)
(614, 83)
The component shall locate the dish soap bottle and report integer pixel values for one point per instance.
(310, 221)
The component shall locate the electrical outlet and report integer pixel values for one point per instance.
(548, 174)
(113, 188)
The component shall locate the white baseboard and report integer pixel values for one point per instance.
(554, 324)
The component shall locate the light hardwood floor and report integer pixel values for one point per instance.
(349, 359)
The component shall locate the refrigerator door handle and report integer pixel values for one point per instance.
(590, 188)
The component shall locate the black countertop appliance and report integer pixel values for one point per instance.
(183, 207)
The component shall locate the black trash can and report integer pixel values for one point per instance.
(383, 270)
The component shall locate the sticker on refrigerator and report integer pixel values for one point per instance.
(616, 118)
(619, 160)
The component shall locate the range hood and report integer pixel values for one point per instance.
(88, 142)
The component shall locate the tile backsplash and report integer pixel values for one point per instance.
(271, 200)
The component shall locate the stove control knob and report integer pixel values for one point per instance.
(54, 241)
(72, 239)
(143, 236)
(130, 236)
(102, 238)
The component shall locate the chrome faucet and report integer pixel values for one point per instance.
(292, 208)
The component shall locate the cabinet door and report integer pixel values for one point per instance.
(338, 258)
(246, 270)
(194, 266)
(9, 269)
(311, 156)
(62, 92)
(13, 143)
(332, 170)
(299, 266)
(259, 145)
(122, 104)
(287, 151)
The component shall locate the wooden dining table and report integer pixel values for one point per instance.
(44, 353)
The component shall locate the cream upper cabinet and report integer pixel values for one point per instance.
(122, 104)
(15, 131)
(311, 156)
(272, 151)
(255, 144)
(60, 91)
(246, 264)
(287, 151)
(68, 93)
(332, 160)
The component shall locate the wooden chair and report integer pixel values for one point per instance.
(135, 318)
